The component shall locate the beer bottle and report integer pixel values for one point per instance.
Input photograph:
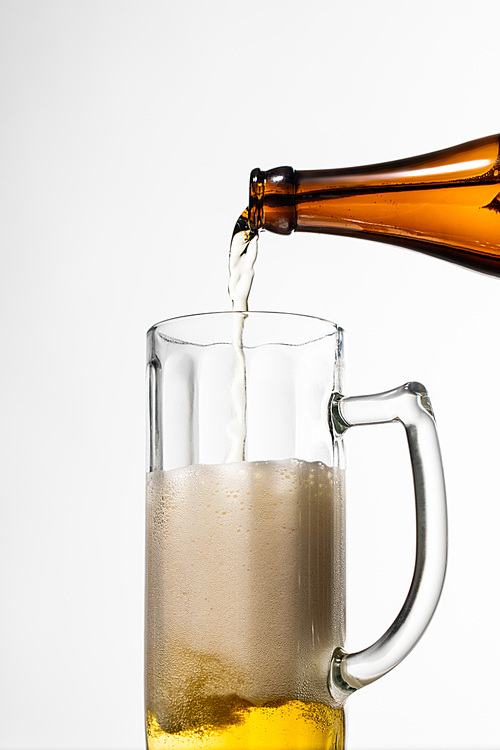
(445, 204)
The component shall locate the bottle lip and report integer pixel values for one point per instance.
(255, 199)
(272, 200)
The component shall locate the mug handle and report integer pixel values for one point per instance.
(411, 406)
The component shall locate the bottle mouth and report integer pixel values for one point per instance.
(272, 200)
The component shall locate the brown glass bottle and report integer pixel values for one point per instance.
(445, 204)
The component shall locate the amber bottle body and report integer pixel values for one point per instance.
(445, 204)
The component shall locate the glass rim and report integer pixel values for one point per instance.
(248, 313)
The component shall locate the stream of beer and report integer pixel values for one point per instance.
(242, 257)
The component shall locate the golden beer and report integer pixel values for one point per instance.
(230, 722)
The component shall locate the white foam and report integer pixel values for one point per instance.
(245, 581)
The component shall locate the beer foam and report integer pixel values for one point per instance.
(245, 582)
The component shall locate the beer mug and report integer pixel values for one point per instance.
(245, 589)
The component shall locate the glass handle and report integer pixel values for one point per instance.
(411, 406)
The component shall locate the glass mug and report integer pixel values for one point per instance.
(245, 581)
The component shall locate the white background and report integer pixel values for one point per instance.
(128, 132)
